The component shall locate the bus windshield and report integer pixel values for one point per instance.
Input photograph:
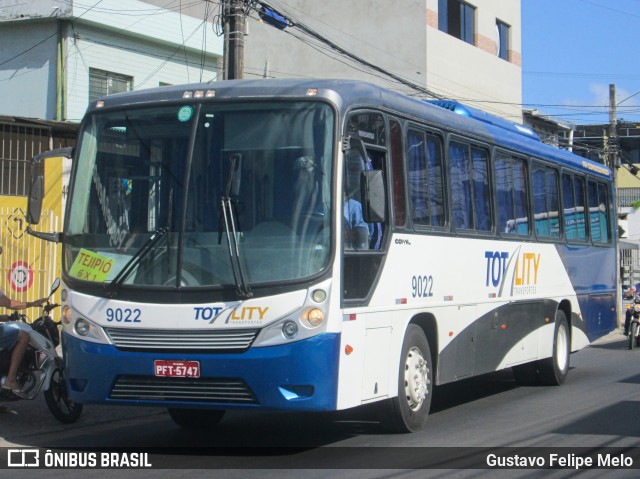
(165, 192)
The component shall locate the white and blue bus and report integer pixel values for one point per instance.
(320, 245)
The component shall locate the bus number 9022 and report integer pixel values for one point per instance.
(422, 286)
(126, 315)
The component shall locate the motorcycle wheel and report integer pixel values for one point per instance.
(56, 397)
(633, 332)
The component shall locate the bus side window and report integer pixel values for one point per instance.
(512, 195)
(598, 212)
(573, 191)
(545, 202)
(425, 178)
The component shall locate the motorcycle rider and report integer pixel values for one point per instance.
(627, 317)
(11, 337)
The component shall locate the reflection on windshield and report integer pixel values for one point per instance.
(134, 177)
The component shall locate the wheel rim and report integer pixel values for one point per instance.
(416, 380)
(562, 350)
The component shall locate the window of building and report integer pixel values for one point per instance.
(503, 39)
(457, 19)
(103, 83)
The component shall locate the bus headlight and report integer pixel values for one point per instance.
(313, 317)
(319, 295)
(292, 328)
(74, 324)
(82, 327)
(289, 329)
(67, 314)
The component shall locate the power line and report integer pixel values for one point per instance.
(312, 33)
(610, 9)
(628, 98)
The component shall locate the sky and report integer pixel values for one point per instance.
(572, 50)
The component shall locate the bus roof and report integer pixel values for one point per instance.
(348, 94)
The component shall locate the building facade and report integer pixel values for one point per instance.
(468, 51)
(57, 55)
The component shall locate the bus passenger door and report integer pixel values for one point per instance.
(364, 205)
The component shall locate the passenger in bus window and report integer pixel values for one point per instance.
(356, 230)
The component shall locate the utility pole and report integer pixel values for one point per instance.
(234, 21)
(612, 155)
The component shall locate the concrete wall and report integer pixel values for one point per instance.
(25, 86)
(401, 36)
(389, 33)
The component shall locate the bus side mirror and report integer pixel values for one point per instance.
(36, 185)
(36, 191)
(373, 196)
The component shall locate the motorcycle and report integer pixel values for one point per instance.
(41, 369)
(634, 325)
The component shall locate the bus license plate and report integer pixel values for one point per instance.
(176, 369)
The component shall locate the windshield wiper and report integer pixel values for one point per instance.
(114, 286)
(227, 214)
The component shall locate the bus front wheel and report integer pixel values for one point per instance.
(408, 411)
(196, 418)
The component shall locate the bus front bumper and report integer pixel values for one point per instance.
(297, 376)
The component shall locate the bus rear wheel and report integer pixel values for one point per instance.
(553, 371)
(196, 418)
(408, 411)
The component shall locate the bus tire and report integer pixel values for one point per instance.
(633, 332)
(553, 371)
(196, 418)
(408, 411)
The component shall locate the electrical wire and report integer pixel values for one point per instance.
(316, 35)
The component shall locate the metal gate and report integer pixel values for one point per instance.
(28, 265)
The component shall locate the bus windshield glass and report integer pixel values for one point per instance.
(161, 194)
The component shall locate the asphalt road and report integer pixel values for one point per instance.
(596, 407)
